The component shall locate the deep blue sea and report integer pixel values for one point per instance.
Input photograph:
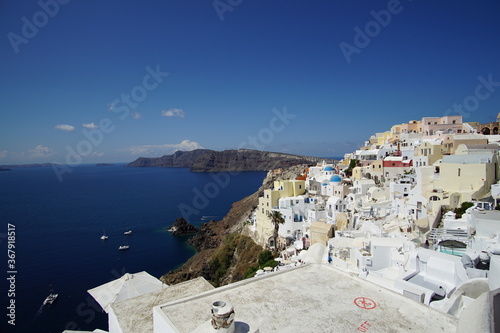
(58, 227)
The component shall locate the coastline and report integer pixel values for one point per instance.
(211, 236)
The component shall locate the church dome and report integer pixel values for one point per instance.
(328, 168)
(335, 179)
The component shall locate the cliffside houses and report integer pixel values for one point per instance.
(413, 212)
(388, 211)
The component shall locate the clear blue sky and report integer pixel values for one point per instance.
(229, 68)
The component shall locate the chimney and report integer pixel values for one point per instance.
(222, 317)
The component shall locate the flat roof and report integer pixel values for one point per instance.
(135, 315)
(310, 298)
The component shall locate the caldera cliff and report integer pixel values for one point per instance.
(224, 255)
(205, 160)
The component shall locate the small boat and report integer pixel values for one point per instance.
(50, 299)
(123, 247)
(129, 232)
(104, 236)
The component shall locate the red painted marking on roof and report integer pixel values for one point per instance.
(365, 303)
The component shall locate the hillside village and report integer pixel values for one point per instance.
(409, 223)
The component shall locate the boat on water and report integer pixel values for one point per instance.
(123, 247)
(104, 236)
(51, 298)
(128, 232)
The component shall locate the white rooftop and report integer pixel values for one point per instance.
(479, 158)
(311, 298)
(136, 315)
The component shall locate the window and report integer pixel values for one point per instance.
(300, 187)
(458, 172)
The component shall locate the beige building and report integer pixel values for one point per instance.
(376, 170)
(451, 142)
(413, 126)
(447, 124)
(467, 177)
(427, 153)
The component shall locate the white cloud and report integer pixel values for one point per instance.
(3, 154)
(111, 106)
(136, 115)
(64, 127)
(156, 150)
(40, 151)
(97, 154)
(173, 113)
(90, 125)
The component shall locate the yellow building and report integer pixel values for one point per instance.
(269, 201)
(383, 138)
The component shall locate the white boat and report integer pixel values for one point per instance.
(104, 236)
(129, 232)
(51, 298)
(123, 247)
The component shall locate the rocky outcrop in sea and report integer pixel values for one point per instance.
(181, 227)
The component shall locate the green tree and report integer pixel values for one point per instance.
(352, 164)
(276, 219)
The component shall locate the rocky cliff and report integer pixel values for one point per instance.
(205, 160)
(223, 239)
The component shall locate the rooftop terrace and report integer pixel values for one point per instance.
(311, 298)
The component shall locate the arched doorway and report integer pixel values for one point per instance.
(485, 131)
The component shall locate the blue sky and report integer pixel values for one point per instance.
(257, 74)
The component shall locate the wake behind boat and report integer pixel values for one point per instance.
(104, 236)
(123, 247)
(128, 232)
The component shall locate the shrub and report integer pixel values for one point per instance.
(463, 207)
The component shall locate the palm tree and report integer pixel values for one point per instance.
(276, 219)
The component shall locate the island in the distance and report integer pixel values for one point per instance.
(32, 165)
(206, 160)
